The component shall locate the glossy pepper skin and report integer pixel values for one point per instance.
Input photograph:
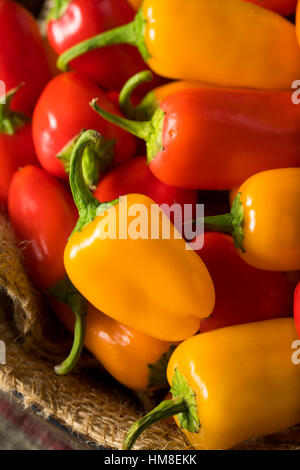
(283, 7)
(19, 32)
(243, 294)
(217, 138)
(224, 392)
(193, 44)
(135, 177)
(73, 21)
(265, 220)
(42, 212)
(297, 308)
(43, 215)
(60, 115)
(125, 353)
(16, 145)
(157, 287)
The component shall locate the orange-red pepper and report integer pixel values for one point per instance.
(217, 138)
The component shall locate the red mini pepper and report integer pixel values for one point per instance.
(243, 294)
(217, 138)
(22, 55)
(134, 177)
(72, 21)
(283, 7)
(297, 308)
(16, 145)
(43, 215)
(62, 112)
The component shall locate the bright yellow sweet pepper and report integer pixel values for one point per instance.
(232, 384)
(230, 43)
(152, 284)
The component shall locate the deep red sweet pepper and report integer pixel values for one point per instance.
(43, 215)
(243, 294)
(22, 55)
(72, 21)
(62, 112)
(134, 177)
(16, 145)
(217, 138)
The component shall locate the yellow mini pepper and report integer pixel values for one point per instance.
(152, 284)
(232, 384)
(265, 220)
(231, 43)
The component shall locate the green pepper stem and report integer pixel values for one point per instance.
(150, 131)
(65, 292)
(131, 111)
(86, 203)
(78, 342)
(58, 9)
(166, 409)
(142, 130)
(219, 223)
(131, 33)
(229, 223)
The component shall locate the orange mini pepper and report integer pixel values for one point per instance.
(231, 43)
(265, 220)
(152, 284)
(230, 385)
(136, 360)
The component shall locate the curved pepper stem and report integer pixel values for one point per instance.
(140, 112)
(65, 292)
(86, 203)
(166, 409)
(11, 121)
(88, 206)
(131, 33)
(150, 131)
(232, 223)
(183, 405)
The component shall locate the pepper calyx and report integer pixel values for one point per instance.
(139, 28)
(58, 9)
(188, 419)
(157, 377)
(65, 292)
(11, 121)
(96, 159)
(154, 142)
(183, 404)
(150, 131)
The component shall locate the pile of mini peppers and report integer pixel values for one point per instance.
(168, 106)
